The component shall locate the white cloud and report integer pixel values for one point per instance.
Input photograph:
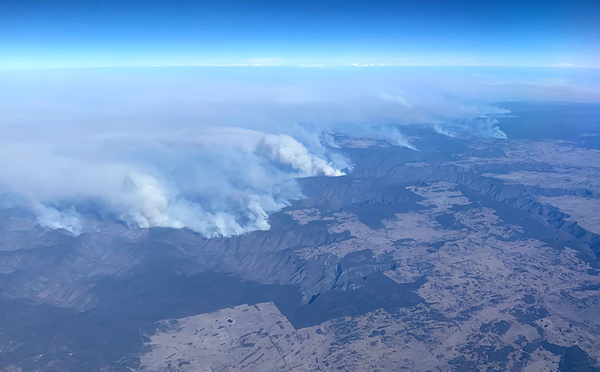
(564, 64)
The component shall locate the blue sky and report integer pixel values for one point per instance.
(285, 32)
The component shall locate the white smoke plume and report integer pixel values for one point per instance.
(286, 150)
(487, 128)
(67, 219)
(147, 203)
(396, 138)
(440, 129)
(481, 127)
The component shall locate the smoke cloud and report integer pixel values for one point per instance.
(219, 150)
